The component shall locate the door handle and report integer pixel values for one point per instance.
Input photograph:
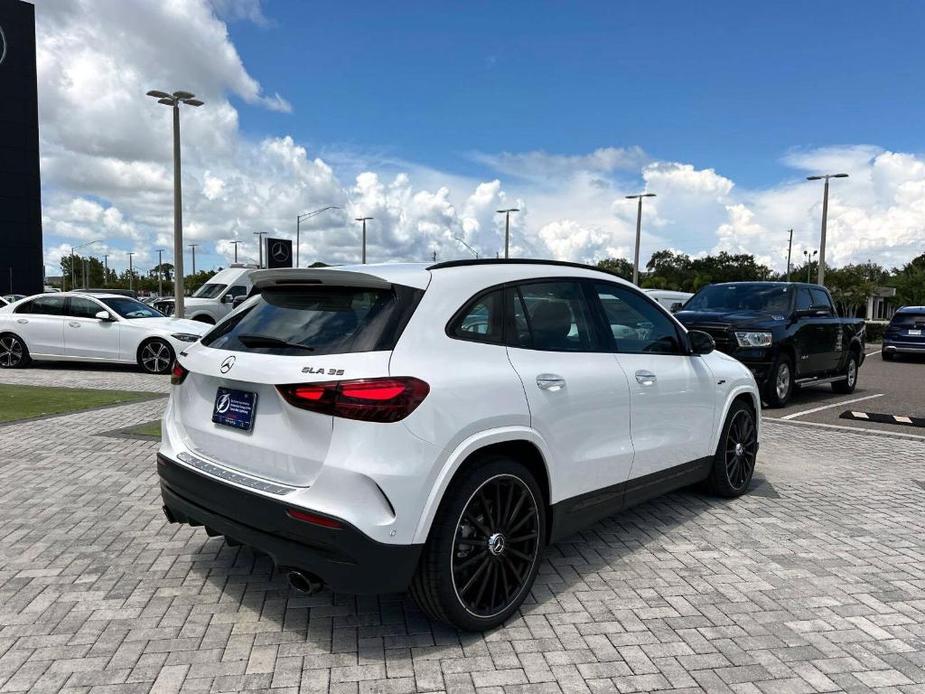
(551, 382)
(74, 324)
(646, 378)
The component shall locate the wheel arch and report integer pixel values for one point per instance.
(745, 394)
(522, 444)
(204, 317)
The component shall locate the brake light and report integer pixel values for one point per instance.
(177, 374)
(368, 399)
(314, 518)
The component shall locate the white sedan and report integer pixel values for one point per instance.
(92, 327)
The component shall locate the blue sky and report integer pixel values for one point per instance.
(729, 85)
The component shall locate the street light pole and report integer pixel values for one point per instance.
(825, 214)
(364, 220)
(174, 100)
(809, 263)
(74, 260)
(194, 246)
(235, 243)
(105, 270)
(131, 272)
(638, 197)
(298, 223)
(260, 235)
(507, 229)
(160, 272)
(789, 249)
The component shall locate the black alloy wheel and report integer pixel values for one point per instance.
(13, 352)
(734, 461)
(496, 545)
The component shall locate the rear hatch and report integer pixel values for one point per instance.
(908, 327)
(230, 407)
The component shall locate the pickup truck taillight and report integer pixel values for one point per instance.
(367, 399)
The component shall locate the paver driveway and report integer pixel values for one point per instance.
(813, 582)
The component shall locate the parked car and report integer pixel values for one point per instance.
(788, 333)
(74, 326)
(164, 305)
(131, 293)
(905, 333)
(380, 426)
(11, 298)
(671, 300)
(212, 301)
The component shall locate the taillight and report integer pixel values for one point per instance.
(367, 399)
(314, 518)
(177, 374)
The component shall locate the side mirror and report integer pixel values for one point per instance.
(701, 342)
(103, 315)
(238, 300)
(227, 299)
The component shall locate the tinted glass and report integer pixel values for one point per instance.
(83, 308)
(209, 291)
(908, 319)
(820, 299)
(318, 320)
(47, 305)
(556, 315)
(766, 298)
(804, 299)
(130, 308)
(481, 319)
(636, 325)
(237, 290)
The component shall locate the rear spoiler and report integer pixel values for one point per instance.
(304, 277)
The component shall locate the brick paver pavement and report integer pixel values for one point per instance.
(813, 582)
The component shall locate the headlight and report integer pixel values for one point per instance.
(757, 339)
(185, 337)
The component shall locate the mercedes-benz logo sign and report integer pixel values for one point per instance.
(280, 252)
(227, 364)
(224, 402)
(2, 46)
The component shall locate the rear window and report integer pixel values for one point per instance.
(908, 319)
(318, 320)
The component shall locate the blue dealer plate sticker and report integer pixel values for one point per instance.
(235, 408)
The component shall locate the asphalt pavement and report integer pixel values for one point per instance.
(888, 393)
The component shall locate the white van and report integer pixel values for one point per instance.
(212, 301)
(671, 300)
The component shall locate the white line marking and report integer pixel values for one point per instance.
(828, 407)
(876, 351)
(900, 418)
(864, 430)
(859, 415)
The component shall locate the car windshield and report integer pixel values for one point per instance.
(209, 291)
(765, 298)
(320, 320)
(130, 308)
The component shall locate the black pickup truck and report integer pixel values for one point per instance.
(788, 333)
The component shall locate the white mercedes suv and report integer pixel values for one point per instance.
(384, 426)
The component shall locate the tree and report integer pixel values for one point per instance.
(620, 267)
(850, 287)
(678, 271)
(88, 266)
(910, 282)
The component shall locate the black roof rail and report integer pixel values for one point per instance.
(510, 261)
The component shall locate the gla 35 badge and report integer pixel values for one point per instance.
(322, 371)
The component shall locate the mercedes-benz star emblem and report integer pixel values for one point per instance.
(227, 364)
(496, 544)
(280, 252)
(2, 46)
(224, 402)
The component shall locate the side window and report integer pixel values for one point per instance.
(49, 305)
(237, 290)
(24, 307)
(820, 299)
(552, 316)
(83, 308)
(804, 300)
(481, 319)
(636, 325)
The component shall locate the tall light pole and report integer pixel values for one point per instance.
(364, 220)
(789, 249)
(260, 235)
(808, 258)
(105, 270)
(174, 100)
(298, 223)
(507, 229)
(825, 214)
(131, 272)
(73, 259)
(194, 246)
(235, 244)
(160, 272)
(639, 198)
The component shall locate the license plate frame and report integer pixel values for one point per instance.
(915, 332)
(235, 408)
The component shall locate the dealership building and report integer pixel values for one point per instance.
(21, 270)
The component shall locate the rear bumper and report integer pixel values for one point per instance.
(904, 347)
(344, 558)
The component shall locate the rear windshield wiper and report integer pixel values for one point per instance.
(270, 341)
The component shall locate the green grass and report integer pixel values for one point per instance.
(152, 429)
(25, 402)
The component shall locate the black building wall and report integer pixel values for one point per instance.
(20, 186)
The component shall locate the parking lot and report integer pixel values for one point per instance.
(888, 393)
(813, 582)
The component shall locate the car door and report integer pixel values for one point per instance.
(87, 336)
(672, 393)
(577, 393)
(828, 330)
(807, 335)
(40, 323)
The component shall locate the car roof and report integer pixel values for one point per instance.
(911, 309)
(95, 295)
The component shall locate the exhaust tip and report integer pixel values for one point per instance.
(305, 582)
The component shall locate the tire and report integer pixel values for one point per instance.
(155, 356)
(482, 507)
(886, 356)
(13, 352)
(775, 393)
(851, 372)
(734, 460)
